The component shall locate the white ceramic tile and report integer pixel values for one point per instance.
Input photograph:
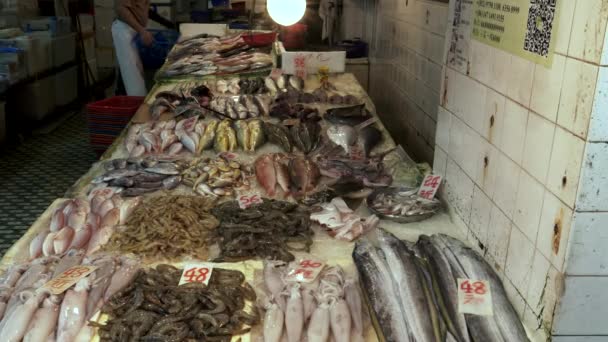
(593, 189)
(459, 190)
(539, 276)
(501, 68)
(487, 167)
(565, 165)
(588, 30)
(564, 28)
(434, 76)
(576, 99)
(493, 122)
(499, 231)
(465, 98)
(515, 297)
(579, 339)
(554, 230)
(440, 161)
(538, 146)
(582, 309)
(507, 180)
(444, 122)
(480, 215)
(536, 328)
(598, 127)
(464, 144)
(519, 260)
(547, 88)
(588, 254)
(514, 130)
(528, 205)
(481, 61)
(521, 75)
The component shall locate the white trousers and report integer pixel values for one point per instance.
(131, 68)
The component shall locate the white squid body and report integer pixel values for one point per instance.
(339, 317)
(36, 245)
(294, 315)
(274, 283)
(72, 313)
(273, 323)
(17, 321)
(308, 300)
(318, 327)
(353, 299)
(44, 321)
(86, 334)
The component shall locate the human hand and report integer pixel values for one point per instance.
(147, 38)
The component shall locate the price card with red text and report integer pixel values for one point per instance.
(246, 201)
(299, 63)
(429, 186)
(474, 297)
(304, 271)
(68, 278)
(196, 273)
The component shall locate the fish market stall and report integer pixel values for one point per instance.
(243, 207)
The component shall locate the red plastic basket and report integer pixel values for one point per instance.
(125, 105)
(259, 39)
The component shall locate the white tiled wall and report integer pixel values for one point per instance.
(406, 70)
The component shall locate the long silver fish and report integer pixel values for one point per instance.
(379, 288)
(406, 278)
(505, 324)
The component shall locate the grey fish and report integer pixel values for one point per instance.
(132, 192)
(505, 324)
(242, 133)
(115, 174)
(124, 182)
(369, 137)
(278, 135)
(172, 182)
(120, 163)
(263, 103)
(379, 288)
(350, 111)
(305, 135)
(148, 177)
(406, 278)
(164, 169)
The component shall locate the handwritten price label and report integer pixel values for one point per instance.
(429, 187)
(68, 278)
(474, 297)
(227, 155)
(196, 273)
(247, 201)
(299, 62)
(306, 271)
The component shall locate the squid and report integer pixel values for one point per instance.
(340, 321)
(72, 312)
(294, 315)
(16, 323)
(44, 321)
(273, 323)
(318, 327)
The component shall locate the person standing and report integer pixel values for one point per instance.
(131, 19)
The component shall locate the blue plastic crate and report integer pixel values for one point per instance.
(153, 57)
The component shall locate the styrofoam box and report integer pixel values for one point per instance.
(37, 52)
(334, 60)
(103, 26)
(64, 49)
(66, 86)
(44, 95)
(191, 29)
(105, 57)
(2, 122)
(45, 40)
(89, 47)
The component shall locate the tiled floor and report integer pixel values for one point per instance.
(37, 172)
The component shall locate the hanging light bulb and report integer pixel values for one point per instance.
(286, 12)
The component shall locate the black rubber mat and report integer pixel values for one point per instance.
(38, 171)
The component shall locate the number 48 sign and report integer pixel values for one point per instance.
(196, 273)
(474, 297)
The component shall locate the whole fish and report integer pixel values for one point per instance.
(402, 263)
(242, 133)
(44, 321)
(296, 82)
(278, 135)
(72, 312)
(207, 138)
(271, 85)
(343, 136)
(263, 103)
(305, 135)
(381, 292)
(168, 169)
(304, 175)
(266, 174)
(225, 139)
(256, 135)
(282, 82)
(505, 324)
(282, 172)
(369, 137)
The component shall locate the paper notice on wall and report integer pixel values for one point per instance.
(526, 28)
(458, 42)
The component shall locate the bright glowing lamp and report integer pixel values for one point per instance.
(286, 12)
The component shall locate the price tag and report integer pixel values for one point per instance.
(276, 73)
(227, 155)
(305, 272)
(247, 201)
(299, 63)
(69, 277)
(196, 273)
(474, 297)
(429, 186)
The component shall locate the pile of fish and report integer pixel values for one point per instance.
(304, 135)
(351, 128)
(413, 292)
(290, 90)
(237, 86)
(216, 177)
(293, 175)
(154, 308)
(211, 55)
(169, 227)
(136, 176)
(285, 111)
(369, 172)
(186, 102)
(328, 306)
(241, 107)
(269, 230)
(341, 222)
(31, 313)
(395, 204)
(82, 223)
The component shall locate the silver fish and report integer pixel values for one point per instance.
(342, 135)
(270, 85)
(296, 82)
(164, 169)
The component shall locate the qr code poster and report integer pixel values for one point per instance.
(526, 28)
